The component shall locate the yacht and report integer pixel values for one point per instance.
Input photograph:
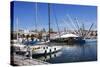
(36, 49)
(68, 38)
(45, 49)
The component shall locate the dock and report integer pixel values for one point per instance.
(20, 60)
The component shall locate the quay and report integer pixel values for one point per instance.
(19, 60)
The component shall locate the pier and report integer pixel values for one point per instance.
(19, 60)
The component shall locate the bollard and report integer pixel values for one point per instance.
(29, 52)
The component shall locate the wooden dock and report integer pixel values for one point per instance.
(25, 61)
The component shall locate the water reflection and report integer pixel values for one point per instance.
(73, 53)
(50, 56)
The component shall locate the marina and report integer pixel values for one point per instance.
(48, 38)
(74, 53)
(68, 53)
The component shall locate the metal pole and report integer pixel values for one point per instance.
(36, 17)
(30, 53)
(49, 18)
(17, 27)
(89, 30)
(57, 23)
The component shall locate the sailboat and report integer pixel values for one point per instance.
(46, 49)
(35, 48)
(79, 37)
(69, 38)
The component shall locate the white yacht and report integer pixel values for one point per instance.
(45, 49)
(68, 38)
(35, 48)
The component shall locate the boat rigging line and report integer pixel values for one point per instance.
(74, 27)
(89, 30)
(49, 22)
(54, 13)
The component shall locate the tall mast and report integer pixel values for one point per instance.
(89, 30)
(49, 18)
(57, 26)
(83, 30)
(57, 23)
(36, 17)
(17, 27)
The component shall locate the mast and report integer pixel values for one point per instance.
(49, 18)
(36, 17)
(89, 30)
(83, 30)
(17, 27)
(79, 29)
(57, 23)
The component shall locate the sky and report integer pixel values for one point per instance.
(62, 14)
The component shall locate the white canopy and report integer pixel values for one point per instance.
(68, 35)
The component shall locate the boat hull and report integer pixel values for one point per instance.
(69, 41)
(46, 50)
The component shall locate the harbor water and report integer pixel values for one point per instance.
(72, 53)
